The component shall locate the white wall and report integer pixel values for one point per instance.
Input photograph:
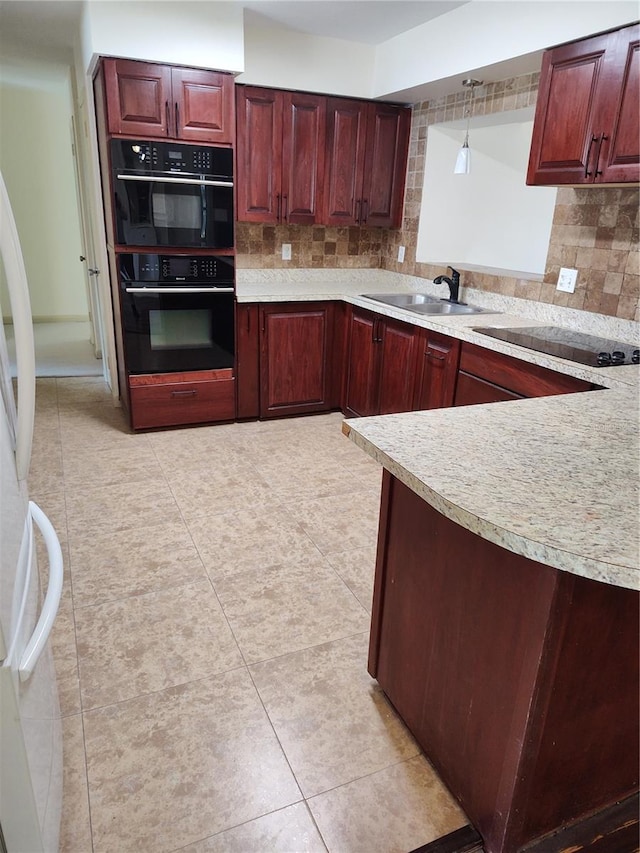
(37, 163)
(488, 218)
(278, 57)
(199, 34)
(483, 33)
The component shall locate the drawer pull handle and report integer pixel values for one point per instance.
(191, 392)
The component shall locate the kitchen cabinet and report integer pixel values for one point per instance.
(148, 100)
(297, 359)
(380, 365)
(514, 677)
(171, 399)
(280, 155)
(437, 371)
(247, 361)
(486, 376)
(367, 147)
(586, 128)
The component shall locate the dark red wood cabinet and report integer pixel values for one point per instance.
(149, 100)
(172, 399)
(519, 681)
(486, 376)
(280, 155)
(297, 358)
(437, 371)
(587, 128)
(379, 372)
(367, 148)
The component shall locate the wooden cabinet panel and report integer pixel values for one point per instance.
(367, 146)
(203, 105)
(346, 130)
(516, 376)
(437, 370)
(138, 95)
(380, 365)
(385, 165)
(149, 100)
(398, 345)
(586, 127)
(171, 399)
(515, 678)
(362, 367)
(247, 361)
(470, 391)
(296, 359)
(280, 155)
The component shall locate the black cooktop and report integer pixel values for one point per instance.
(565, 343)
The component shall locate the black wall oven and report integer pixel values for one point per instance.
(172, 195)
(177, 312)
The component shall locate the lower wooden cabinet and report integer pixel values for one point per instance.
(486, 376)
(437, 370)
(247, 361)
(170, 399)
(380, 365)
(297, 352)
(515, 678)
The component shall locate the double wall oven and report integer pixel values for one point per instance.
(173, 216)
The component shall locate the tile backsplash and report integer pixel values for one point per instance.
(594, 230)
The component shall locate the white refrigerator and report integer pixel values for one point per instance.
(30, 726)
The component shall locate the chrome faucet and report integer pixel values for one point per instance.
(453, 282)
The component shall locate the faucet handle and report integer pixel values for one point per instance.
(455, 273)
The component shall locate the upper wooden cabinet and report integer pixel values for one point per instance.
(160, 101)
(367, 148)
(587, 127)
(280, 155)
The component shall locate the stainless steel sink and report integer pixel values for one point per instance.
(421, 303)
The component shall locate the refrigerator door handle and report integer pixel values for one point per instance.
(51, 603)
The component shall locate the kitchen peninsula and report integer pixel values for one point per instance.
(505, 613)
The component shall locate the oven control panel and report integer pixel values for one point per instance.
(175, 269)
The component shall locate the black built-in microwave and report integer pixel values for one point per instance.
(172, 195)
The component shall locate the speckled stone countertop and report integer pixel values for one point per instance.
(301, 285)
(554, 479)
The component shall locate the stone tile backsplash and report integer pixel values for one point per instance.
(594, 230)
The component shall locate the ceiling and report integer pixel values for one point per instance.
(46, 27)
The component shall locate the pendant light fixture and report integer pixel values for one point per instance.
(463, 161)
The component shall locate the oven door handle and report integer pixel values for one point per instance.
(195, 182)
(179, 289)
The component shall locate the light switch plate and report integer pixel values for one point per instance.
(286, 251)
(400, 254)
(567, 280)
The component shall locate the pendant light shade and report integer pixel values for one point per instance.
(463, 161)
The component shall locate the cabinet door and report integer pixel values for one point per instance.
(620, 157)
(346, 130)
(138, 97)
(258, 154)
(470, 390)
(247, 361)
(202, 106)
(303, 141)
(361, 376)
(398, 343)
(437, 371)
(295, 359)
(385, 165)
(586, 122)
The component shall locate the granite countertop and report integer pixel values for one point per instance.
(554, 479)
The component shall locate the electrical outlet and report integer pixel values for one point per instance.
(567, 280)
(286, 251)
(400, 254)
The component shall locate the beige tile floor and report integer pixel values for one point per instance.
(212, 641)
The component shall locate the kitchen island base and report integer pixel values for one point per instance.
(518, 680)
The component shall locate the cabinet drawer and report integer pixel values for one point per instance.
(157, 402)
(470, 391)
(520, 377)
